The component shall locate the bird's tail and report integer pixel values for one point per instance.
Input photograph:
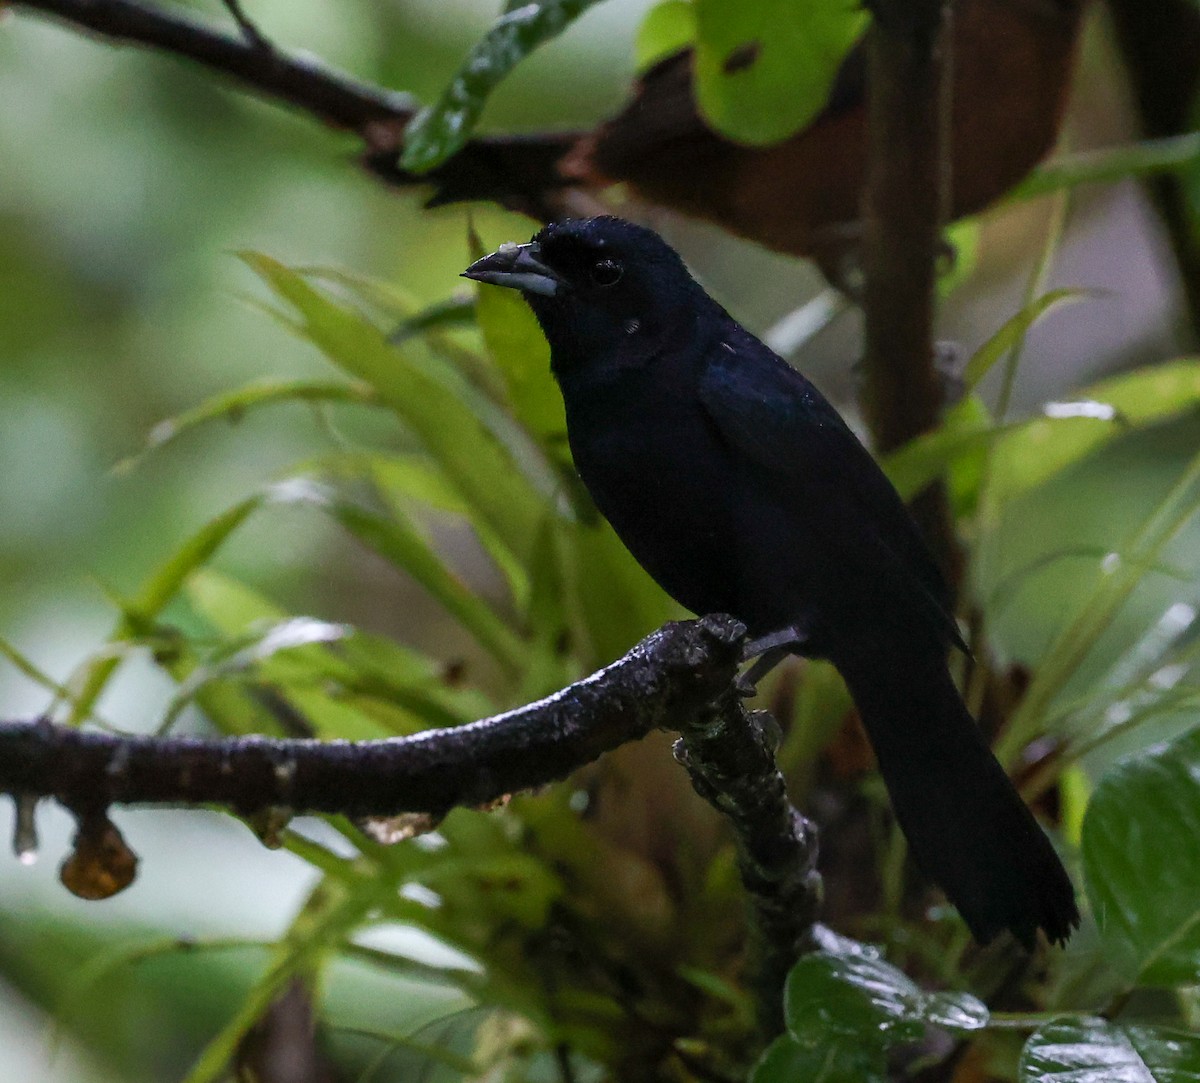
(967, 827)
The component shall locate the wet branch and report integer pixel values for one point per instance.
(678, 678)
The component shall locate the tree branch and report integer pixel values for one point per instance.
(730, 755)
(379, 117)
(338, 100)
(680, 677)
(663, 682)
(904, 210)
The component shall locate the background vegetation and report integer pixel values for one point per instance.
(378, 539)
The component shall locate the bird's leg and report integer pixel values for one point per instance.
(768, 651)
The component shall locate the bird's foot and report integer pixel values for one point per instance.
(768, 651)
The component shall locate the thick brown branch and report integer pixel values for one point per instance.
(663, 682)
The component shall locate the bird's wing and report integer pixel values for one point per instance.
(766, 410)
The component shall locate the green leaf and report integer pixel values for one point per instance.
(155, 595)
(847, 988)
(520, 351)
(1123, 570)
(668, 27)
(398, 541)
(479, 466)
(1014, 331)
(1112, 164)
(1095, 1051)
(1034, 452)
(764, 68)
(837, 1059)
(1029, 453)
(233, 406)
(1141, 858)
(440, 130)
(362, 685)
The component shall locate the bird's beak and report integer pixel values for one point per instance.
(518, 266)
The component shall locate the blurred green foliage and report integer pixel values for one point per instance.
(376, 434)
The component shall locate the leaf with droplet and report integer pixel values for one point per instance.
(849, 988)
(1141, 859)
(440, 130)
(1096, 1051)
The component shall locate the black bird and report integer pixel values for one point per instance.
(741, 490)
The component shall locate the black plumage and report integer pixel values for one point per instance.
(741, 490)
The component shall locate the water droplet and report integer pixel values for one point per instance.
(269, 824)
(389, 830)
(25, 838)
(1110, 563)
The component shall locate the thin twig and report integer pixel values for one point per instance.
(248, 27)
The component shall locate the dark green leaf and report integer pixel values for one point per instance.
(440, 130)
(764, 69)
(848, 988)
(1095, 1051)
(837, 1060)
(1141, 857)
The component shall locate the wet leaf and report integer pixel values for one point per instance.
(1094, 1051)
(849, 988)
(764, 70)
(1141, 857)
(440, 130)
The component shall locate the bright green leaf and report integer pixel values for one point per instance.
(520, 351)
(155, 595)
(1141, 856)
(440, 130)
(1095, 1051)
(764, 69)
(668, 27)
(480, 467)
(1040, 448)
(1014, 331)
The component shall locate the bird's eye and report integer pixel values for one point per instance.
(607, 272)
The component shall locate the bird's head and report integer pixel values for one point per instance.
(600, 287)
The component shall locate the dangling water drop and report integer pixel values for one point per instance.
(25, 837)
